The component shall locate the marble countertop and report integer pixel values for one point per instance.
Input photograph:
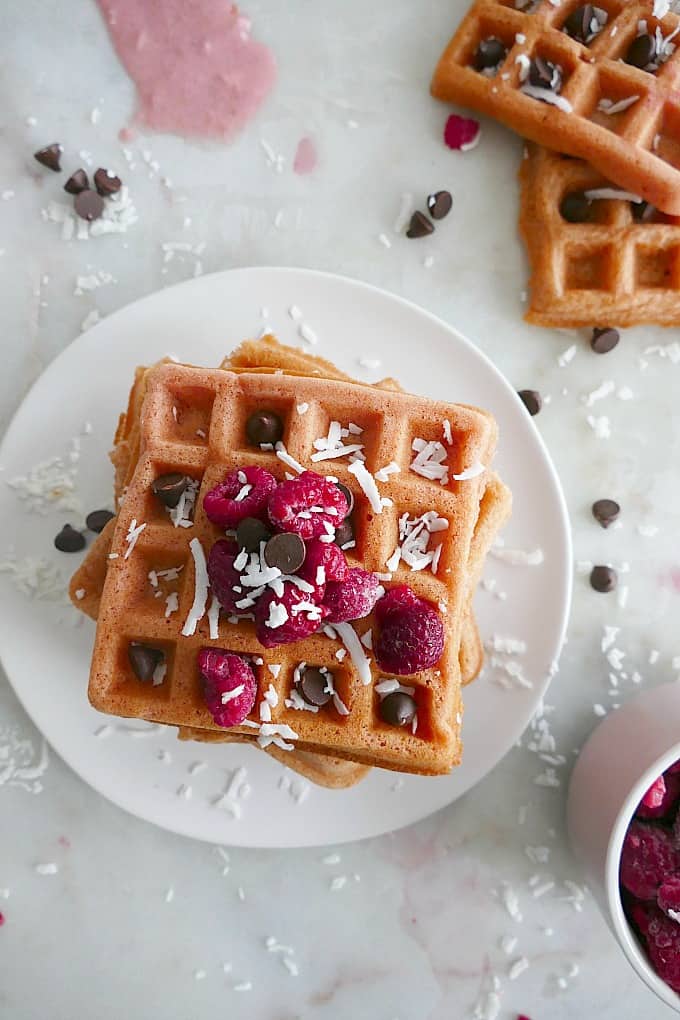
(419, 928)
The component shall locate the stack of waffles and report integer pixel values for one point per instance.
(424, 510)
(594, 90)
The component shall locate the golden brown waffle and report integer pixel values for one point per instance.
(612, 270)
(638, 147)
(216, 402)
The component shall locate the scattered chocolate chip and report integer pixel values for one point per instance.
(88, 204)
(312, 686)
(98, 519)
(641, 51)
(643, 212)
(575, 208)
(106, 182)
(603, 578)
(77, 182)
(532, 400)
(439, 204)
(545, 75)
(344, 533)
(490, 53)
(169, 488)
(50, 156)
(398, 709)
(250, 532)
(349, 496)
(69, 540)
(419, 226)
(285, 551)
(264, 427)
(606, 511)
(143, 659)
(604, 340)
(579, 23)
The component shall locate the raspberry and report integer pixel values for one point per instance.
(224, 577)
(648, 856)
(674, 768)
(411, 639)
(676, 830)
(326, 555)
(223, 673)
(663, 946)
(661, 798)
(221, 505)
(297, 497)
(295, 625)
(352, 598)
(397, 598)
(461, 132)
(668, 896)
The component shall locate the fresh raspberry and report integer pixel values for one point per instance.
(661, 798)
(674, 768)
(663, 946)
(412, 639)
(326, 555)
(224, 577)
(461, 133)
(648, 856)
(352, 598)
(676, 830)
(224, 509)
(639, 914)
(397, 598)
(668, 896)
(296, 498)
(223, 673)
(296, 626)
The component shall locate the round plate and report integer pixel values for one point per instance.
(46, 647)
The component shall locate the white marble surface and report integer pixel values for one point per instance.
(417, 926)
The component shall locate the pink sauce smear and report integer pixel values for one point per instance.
(305, 157)
(196, 69)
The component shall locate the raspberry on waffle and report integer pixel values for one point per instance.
(603, 89)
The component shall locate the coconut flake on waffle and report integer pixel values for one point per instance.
(278, 734)
(383, 474)
(340, 706)
(609, 107)
(284, 456)
(332, 446)
(350, 640)
(368, 486)
(200, 590)
(430, 460)
(414, 539)
(214, 618)
(134, 531)
(547, 96)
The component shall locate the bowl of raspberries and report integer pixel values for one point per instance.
(624, 825)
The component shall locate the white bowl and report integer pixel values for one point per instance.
(618, 764)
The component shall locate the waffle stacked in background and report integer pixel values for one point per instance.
(320, 703)
(598, 85)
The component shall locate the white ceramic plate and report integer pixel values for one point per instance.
(46, 652)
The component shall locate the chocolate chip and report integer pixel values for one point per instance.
(106, 182)
(77, 182)
(98, 519)
(69, 540)
(490, 53)
(349, 496)
(641, 51)
(143, 659)
(312, 686)
(250, 532)
(439, 204)
(545, 75)
(532, 400)
(575, 208)
(606, 511)
(579, 23)
(169, 488)
(398, 709)
(344, 533)
(643, 212)
(604, 340)
(50, 156)
(419, 226)
(285, 551)
(88, 204)
(603, 579)
(264, 427)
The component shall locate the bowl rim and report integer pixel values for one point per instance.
(627, 938)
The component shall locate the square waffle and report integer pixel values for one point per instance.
(619, 266)
(636, 144)
(183, 404)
